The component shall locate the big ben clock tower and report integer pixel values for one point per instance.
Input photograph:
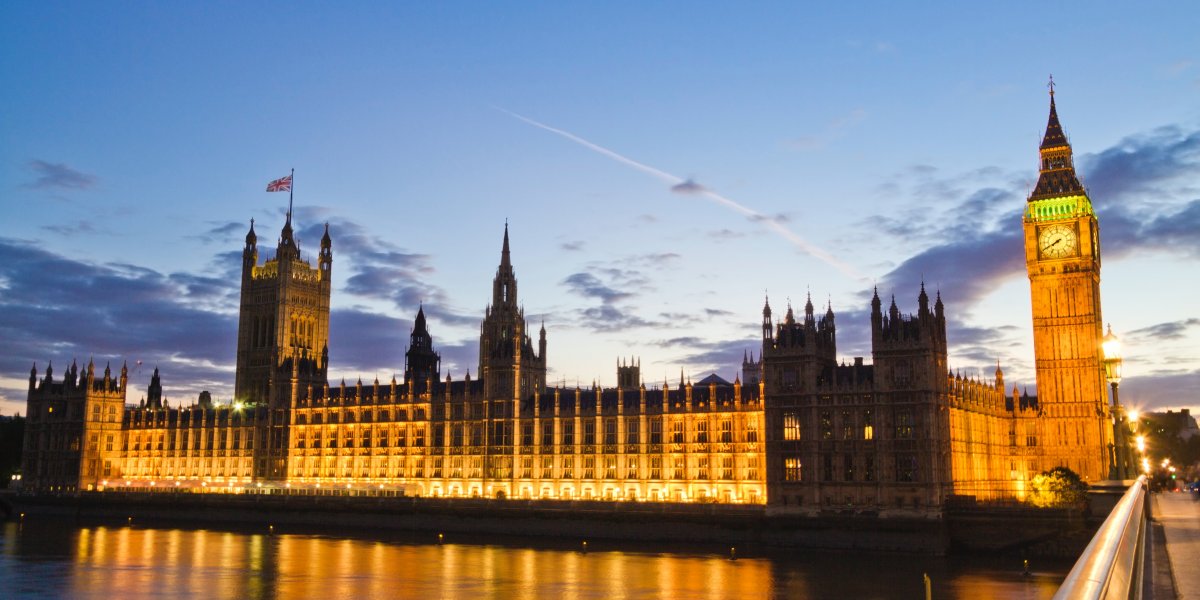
(1062, 256)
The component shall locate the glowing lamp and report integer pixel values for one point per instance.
(1110, 347)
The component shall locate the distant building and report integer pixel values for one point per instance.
(799, 429)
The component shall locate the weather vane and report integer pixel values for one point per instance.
(1051, 84)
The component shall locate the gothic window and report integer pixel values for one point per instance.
(568, 433)
(726, 431)
(702, 468)
(589, 432)
(847, 425)
(680, 468)
(568, 467)
(589, 467)
(610, 467)
(547, 467)
(751, 429)
(791, 468)
(826, 424)
(752, 467)
(631, 431)
(848, 467)
(906, 467)
(610, 432)
(677, 432)
(702, 431)
(631, 467)
(656, 430)
(548, 434)
(904, 423)
(827, 467)
(868, 424)
(527, 434)
(727, 467)
(791, 427)
(655, 467)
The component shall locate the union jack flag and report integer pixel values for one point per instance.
(283, 184)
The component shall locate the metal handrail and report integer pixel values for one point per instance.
(1111, 565)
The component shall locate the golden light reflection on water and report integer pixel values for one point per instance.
(123, 562)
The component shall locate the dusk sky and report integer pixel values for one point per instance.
(660, 167)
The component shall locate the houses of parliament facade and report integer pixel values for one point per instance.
(799, 430)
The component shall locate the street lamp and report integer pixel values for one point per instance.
(1110, 347)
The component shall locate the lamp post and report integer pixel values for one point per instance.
(1110, 346)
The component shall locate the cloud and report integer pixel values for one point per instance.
(688, 187)
(835, 129)
(58, 176)
(590, 286)
(58, 309)
(1145, 166)
(1172, 330)
(223, 233)
(381, 270)
(608, 318)
(79, 228)
(574, 246)
(726, 234)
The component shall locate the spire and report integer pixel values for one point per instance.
(325, 241)
(419, 323)
(504, 257)
(766, 307)
(1057, 176)
(1054, 138)
(923, 299)
(251, 237)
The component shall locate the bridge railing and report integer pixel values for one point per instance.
(1111, 565)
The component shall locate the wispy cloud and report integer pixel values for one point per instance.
(58, 176)
(689, 187)
(833, 130)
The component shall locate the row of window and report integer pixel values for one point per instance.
(848, 425)
(588, 467)
(851, 469)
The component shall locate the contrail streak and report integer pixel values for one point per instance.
(694, 188)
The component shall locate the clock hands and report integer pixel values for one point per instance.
(1051, 244)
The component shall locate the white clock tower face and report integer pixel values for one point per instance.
(1058, 241)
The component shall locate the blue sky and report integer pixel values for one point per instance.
(898, 141)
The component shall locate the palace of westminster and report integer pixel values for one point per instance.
(798, 431)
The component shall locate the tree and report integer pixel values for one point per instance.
(1058, 487)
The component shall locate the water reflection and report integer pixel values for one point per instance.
(40, 559)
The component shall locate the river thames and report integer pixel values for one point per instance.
(48, 559)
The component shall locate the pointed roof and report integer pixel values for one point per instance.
(504, 257)
(1057, 177)
(1054, 138)
(419, 323)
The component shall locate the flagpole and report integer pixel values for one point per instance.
(292, 178)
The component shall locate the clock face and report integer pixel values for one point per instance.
(1058, 241)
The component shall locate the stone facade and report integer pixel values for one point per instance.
(800, 430)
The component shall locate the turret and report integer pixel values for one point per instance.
(250, 253)
(767, 327)
(124, 374)
(154, 392)
(33, 376)
(542, 343)
(325, 260)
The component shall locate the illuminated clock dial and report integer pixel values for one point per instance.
(1058, 241)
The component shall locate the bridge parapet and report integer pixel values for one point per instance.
(1112, 564)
